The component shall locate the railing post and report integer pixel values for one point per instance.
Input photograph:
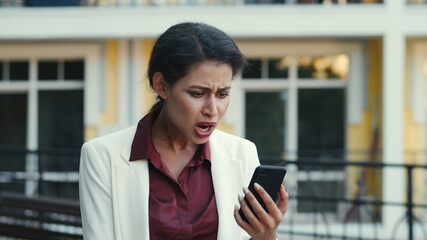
(409, 205)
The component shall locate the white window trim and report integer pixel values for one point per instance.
(90, 52)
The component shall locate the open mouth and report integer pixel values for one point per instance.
(205, 129)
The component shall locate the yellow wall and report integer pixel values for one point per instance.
(413, 138)
(148, 95)
(360, 136)
(364, 138)
(230, 128)
(90, 133)
(109, 116)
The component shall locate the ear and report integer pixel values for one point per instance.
(160, 85)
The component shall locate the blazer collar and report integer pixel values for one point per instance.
(126, 147)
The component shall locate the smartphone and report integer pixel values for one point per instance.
(270, 178)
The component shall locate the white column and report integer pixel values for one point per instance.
(136, 81)
(291, 138)
(393, 87)
(235, 114)
(291, 114)
(394, 180)
(124, 92)
(31, 165)
(92, 86)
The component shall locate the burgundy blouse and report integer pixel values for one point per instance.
(183, 208)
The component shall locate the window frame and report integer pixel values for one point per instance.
(90, 53)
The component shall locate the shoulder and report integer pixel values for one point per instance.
(114, 137)
(113, 141)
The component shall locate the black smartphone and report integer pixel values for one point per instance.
(270, 178)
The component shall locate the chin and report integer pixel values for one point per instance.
(199, 140)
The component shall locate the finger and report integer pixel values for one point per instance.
(249, 214)
(283, 200)
(269, 203)
(243, 224)
(259, 212)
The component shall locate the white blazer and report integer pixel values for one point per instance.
(114, 192)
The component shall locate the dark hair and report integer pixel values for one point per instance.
(185, 44)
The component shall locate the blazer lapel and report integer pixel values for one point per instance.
(132, 194)
(227, 184)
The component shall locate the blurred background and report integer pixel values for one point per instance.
(335, 92)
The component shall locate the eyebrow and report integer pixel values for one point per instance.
(209, 89)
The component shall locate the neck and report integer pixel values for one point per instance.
(165, 135)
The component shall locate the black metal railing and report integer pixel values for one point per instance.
(335, 198)
(43, 172)
(39, 218)
(415, 209)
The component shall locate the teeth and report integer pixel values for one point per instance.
(204, 128)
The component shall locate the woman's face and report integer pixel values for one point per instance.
(196, 103)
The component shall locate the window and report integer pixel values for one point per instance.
(42, 113)
(320, 107)
(19, 70)
(13, 128)
(254, 69)
(54, 70)
(48, 70)
(74, 70)
(333, 67)
(321, 123)
(321, 137)
(295, 108)
(266, 69)
(1, 71)
(269, 117)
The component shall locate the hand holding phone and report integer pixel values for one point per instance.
(270, 178)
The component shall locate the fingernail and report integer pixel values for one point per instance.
(257, 186)
(245, 190)
(236, 207)
(240, 197)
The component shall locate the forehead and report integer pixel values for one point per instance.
(209, 72)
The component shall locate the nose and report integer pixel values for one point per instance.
(210, 108)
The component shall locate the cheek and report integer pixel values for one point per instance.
(188, 106)
(222, 108)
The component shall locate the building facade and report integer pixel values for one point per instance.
(331, 81)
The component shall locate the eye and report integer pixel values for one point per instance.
(224, 94)
(196, 94)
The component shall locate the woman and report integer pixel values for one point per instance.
(174, 176)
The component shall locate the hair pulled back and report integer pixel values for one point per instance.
(185, 44)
